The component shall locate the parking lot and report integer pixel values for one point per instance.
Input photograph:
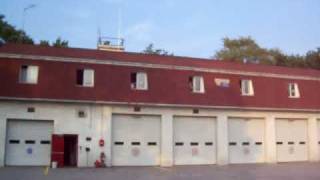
(285, 171)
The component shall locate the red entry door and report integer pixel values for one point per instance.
(57, 149)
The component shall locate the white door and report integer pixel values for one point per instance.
(246, 140)
(194, 140)
(291, 140)
(28, 143)
(135, 140)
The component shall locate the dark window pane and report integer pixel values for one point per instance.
(245, 144)
(45, 142)
(135, 143)
(30, 141)
(80, 77)
(14, 141)
(118, 143)
(194, 144)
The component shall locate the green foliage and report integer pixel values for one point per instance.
(241, 49)
(10, 34)
(60, 43)
(246, 50)
(150, 50)
(313, 59)
(44, 43)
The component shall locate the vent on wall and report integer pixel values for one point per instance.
(31, 109)
(195, 111)
(82, 114)
(137, 109)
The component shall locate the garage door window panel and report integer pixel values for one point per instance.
(152, 143)
(30, 142)
(45, 142)
(14, 141)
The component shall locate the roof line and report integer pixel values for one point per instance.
(152, 65)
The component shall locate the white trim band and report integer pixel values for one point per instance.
(159, 104)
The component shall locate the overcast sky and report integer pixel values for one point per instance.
(185, 27)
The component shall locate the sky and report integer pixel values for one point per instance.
(185, 27)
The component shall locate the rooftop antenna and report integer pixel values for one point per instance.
(25, 10)
(112, 43)
(119, 24)
(99, 35)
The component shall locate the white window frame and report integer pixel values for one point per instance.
(293, 90)
(198, 84)
(141, 81)
(30, 75)
(247, 87)
(87, 78)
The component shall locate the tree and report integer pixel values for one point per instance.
(244, 49)
(60, 43)
(10, 34)
(313, 59)
(150, 50)
(44, 43)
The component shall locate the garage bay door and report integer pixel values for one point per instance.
(136, 140)
(194, 140)
(319, 137)
(291, 139)
(28, 142)
(246, 140)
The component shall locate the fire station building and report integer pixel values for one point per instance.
(77, 107)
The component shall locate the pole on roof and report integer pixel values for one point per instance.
(25, 13)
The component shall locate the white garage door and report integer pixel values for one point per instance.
(136, 140)
(291, 139)
(319, 137)
(28, 142)
(194, 140)
(246, 140)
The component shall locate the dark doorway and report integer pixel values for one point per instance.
(70, 150)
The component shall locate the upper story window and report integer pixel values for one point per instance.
(197, 84)
(222, 82)
(247, 87)
(139, 81)
(85, 77)
(29, 74)
(293, 90)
